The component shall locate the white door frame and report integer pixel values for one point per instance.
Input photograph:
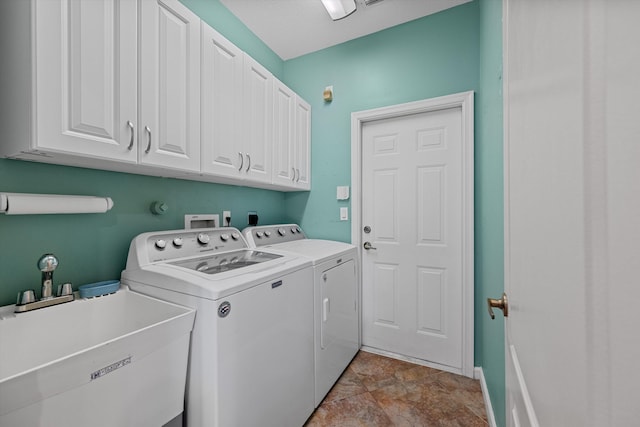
(464, 100)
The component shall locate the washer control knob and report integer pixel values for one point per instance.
(293, 230)
(267, 233)
(259, 234)
(224, 237)
(282, 231)
(298, 230)
(177, 242)
(161, 244)
(235, 236)
(203, 238)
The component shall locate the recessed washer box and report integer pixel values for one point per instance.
(201, 221)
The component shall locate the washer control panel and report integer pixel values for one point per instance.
(168, 245)
(264, 235)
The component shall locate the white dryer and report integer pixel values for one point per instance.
(336, 296)
(251, 354)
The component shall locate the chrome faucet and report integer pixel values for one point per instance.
(47, 264)
(27, 300)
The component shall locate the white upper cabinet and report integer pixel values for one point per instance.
(222, 154)
(144, 86)
(85, 80)
(169, 126)
(302, 145)
(257, 118)
(291, 139)
(236, 112)
(284, 102)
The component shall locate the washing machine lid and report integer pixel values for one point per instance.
(227, 261)
(189, 281)
(317, 250)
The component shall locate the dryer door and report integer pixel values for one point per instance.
(337, 338)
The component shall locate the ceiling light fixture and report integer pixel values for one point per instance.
(339, 9)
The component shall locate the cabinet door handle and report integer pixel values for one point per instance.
(298, 172)
(148, 131)
(130, 125)
(241, 160)
(293, 176)
(248, 163)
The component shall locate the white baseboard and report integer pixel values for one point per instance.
(479, 375)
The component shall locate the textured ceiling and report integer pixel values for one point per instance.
(296, 27)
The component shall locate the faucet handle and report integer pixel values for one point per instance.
(47, 263)
(64, 289)
(26, 297)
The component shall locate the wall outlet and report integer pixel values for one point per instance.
(252, 218)
(226, 218)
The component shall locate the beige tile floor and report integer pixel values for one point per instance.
(379, 391)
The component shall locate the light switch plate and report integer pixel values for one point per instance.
(344, 214)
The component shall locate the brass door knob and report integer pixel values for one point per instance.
(502, 304)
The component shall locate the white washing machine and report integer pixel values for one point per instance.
(336, 297)
(251, 354)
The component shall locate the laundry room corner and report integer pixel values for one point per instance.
(431, 56)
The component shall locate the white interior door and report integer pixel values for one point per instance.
(572, 212)
(415, 211)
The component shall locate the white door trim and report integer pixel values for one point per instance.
(464, 100)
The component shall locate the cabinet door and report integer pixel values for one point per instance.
(222, 151)
(169, 128)
(283, 134)
(257, 112)
(86, 74)
(302, 145)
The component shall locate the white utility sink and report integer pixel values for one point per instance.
(114, 360)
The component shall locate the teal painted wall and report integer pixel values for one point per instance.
(433, 56)
(219, 17)
(489, 274)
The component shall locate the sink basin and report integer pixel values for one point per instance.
(119, 359)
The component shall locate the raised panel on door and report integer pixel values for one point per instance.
(222, 147)
(86, 77)
(283, 134)
(302, 144)
(257, 119)
(169, 128)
